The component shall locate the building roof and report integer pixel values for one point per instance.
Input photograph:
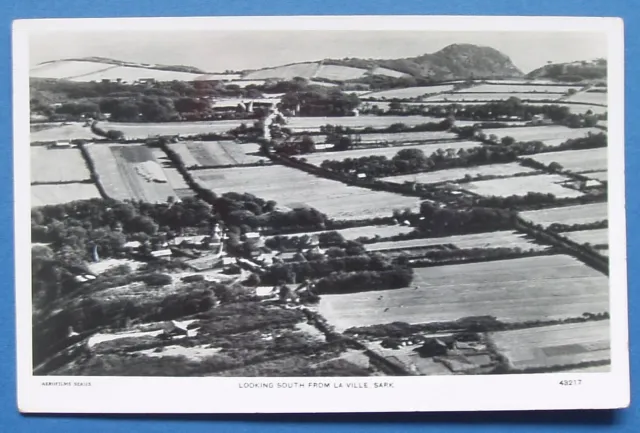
(252, 235)
(132, 244)
(161, 253)
(188, 239)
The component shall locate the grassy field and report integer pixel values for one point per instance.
(494, 96)
(314, 123)
(57, 165)
(602, 176)
(389, 152)
(575, 108)
(131, 172)
(388, 72)
(339, 73)
(42, 195)
(215, 153)
(409, 92)
(542, 183)
(508, 169)
(304, 70)
(594, 237)
(532, 288)
(598, 98)
(358, 232)
(500, 239)
(542, 133)
(557, 345)
(131, 74)
(576, 160)
(292, 188)
(135, 130)
(582, 214)
(519, 88)
(67, 69)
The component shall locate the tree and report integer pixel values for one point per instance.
(507, 141)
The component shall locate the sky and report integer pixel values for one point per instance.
(216, 51)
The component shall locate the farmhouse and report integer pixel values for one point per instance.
(161, 254)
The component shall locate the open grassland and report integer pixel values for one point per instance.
(304, 70)
(57, 165)
(602, 176)
(387, 72)
(574, 108)
(541, 183)
(455, 97)
(409, 92)
(554, 346)
(131, 74)
(354, 233)
(500, 239)
(519, 88)
(339, 73)
(389, 152)
(597, 98)
(174, 178)
(542, 133)
(42, 195)
(452, 174)
(593, 237)
(296, 189)
(576, 160)
(135, 130)
(581, 214)
(533, 288)
(313, 124)
(67, 69)
(131, 172)
(217, 153)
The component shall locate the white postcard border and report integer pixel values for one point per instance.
(417, 393)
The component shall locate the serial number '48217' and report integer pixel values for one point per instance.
(571, 382)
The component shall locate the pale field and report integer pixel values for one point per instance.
(542, 133)
(351, 234)
(67, 69)
(452, 174)
(389, 152)
(175, 179)
(574, 108)
(499, 239)
(533, 288)
(576, 160)
(130, 74)
(324, 84)
(136, 130)
(525, 82)
(57, 165)
(304, 70)
(216, 77)
(407, 137)
(119, 168)
(519, 88)
(314, 123)
(555, 345)
(598, 175)
(581, 214)
(409, 92)
(541, 183)
(388, 72)
(42, 195)
(494, 96)
(339, 73)
(593, 237)
(293, 188)
(212, 153)
(597, 98)
(245, 83)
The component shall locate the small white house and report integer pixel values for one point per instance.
(161, 253)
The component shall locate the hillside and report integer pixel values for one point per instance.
(572, 71)
(452, 62)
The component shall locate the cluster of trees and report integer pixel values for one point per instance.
(325, 239)
(437, 257)
(561, 228)
(301, 271)
(537, 200)
(364, 281)
(320, 101)
(408, 161)
(434, 221)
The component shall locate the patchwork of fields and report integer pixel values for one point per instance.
(57, 165)
(131, 172)
(500, 239)
(216, 153)
(296, 189)
(540, 183)
(533, 288)
(576, 160)
(389, 152)
(452, 174)
(42, 195)
(582, 214)
(557, 345)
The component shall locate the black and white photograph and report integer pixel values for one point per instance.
(236, 201)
